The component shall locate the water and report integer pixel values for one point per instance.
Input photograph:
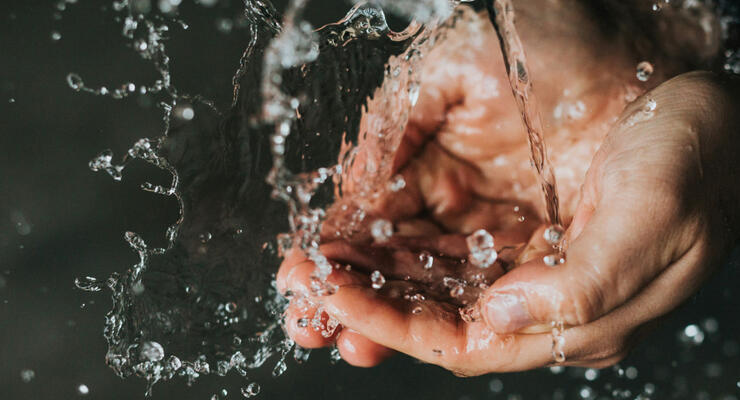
(191, 307)
(502, 17)
(229, 318)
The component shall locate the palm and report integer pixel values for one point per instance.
(465, 160)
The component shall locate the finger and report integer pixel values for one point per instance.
(615, 256)
(298, 324)
(359, 351)
(436, 334)
(608, 339)
(408, 265)
(298, 278)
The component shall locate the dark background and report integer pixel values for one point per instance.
(72, 220)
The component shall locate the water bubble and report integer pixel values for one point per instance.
(27, 375)
(482, 253)
(426, 259)
(83, 390)
(378, 280)
(151, 351)
(644, 71)
(381, 230)
(88, 284)
(251, 390)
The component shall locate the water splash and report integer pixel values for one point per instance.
(170, 317)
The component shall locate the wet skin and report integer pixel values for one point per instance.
(646, 201)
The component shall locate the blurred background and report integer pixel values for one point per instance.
(59, 220)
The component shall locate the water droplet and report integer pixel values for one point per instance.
(470, 314)
(88, 284)
(27, 375)
(553, 234)
(55, 36)
(558, 341)
(11, 100)
(591, 374)
(251, 390)
(482, 253)
(397, 183)
(151, 351)
(224, 25)
(205, 237)
(378, 280)
(496, 386)
(414, 89)
(83, 390)
(186, 113)
(381, 230)
(426, 259)
(644, 71)
(552, 260)
(650, 105)
(75, 82)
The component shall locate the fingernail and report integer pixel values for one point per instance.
(507, 313)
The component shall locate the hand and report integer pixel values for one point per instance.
(454, 180)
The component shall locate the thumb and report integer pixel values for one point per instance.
(626, 230)
(615, 256)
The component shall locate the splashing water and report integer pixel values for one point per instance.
(193, 308)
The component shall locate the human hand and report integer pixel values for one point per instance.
(601, 311)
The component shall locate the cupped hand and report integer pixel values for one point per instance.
(643, 230)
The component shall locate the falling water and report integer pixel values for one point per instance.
(502, 17)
